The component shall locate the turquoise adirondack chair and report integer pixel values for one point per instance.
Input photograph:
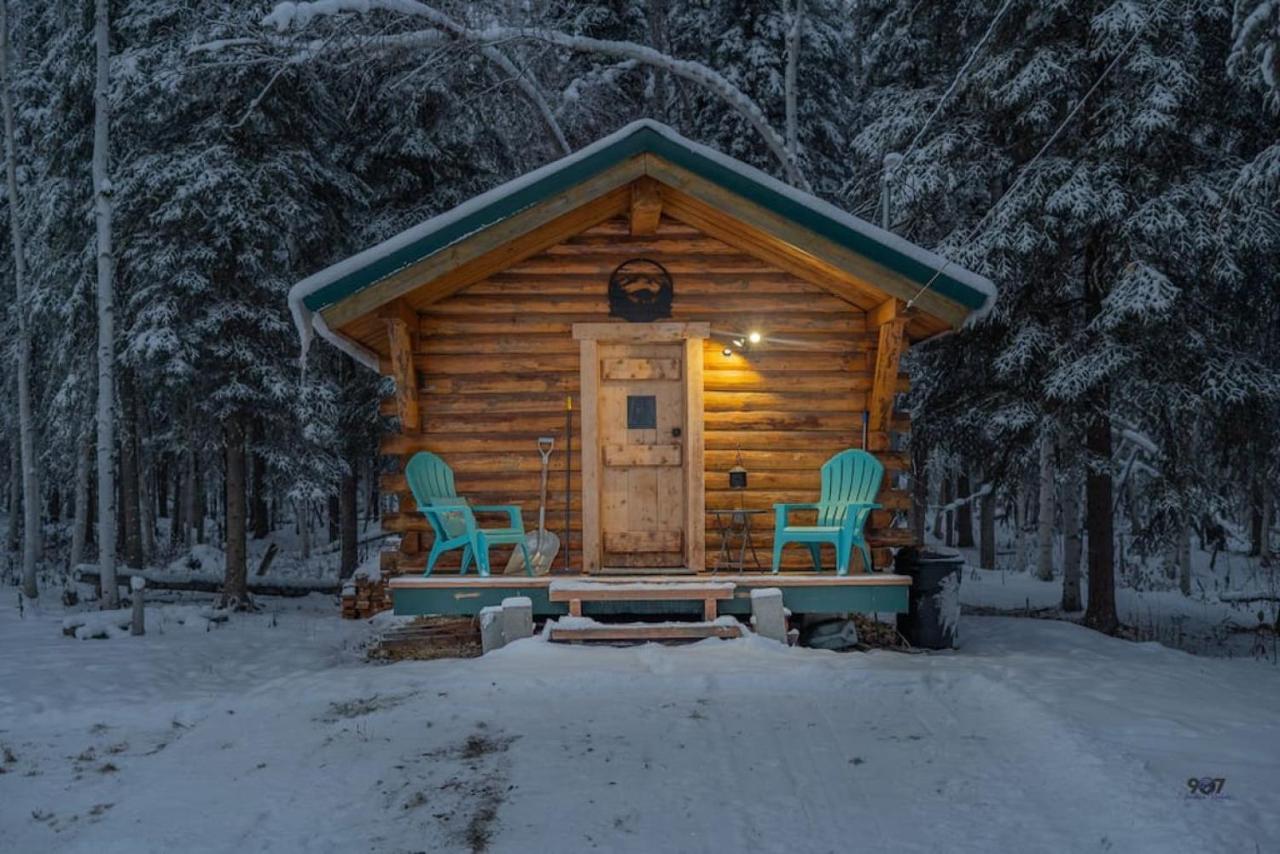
(453, 521)
(850, 482)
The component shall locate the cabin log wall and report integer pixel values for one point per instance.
(495, 362)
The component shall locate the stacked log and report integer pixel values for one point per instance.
(363, 597)
(367, 594)
(496, 360)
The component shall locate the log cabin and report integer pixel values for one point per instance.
(681, 325)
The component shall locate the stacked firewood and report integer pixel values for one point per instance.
(873, 633)
(363, 597)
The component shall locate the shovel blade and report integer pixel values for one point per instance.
(543, 547)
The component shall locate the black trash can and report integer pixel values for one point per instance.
(932, 620)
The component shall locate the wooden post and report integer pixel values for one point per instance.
(646, 207)
(888, 316)
(402, 324)
(695, 520)
(138, 584)
(588, 417)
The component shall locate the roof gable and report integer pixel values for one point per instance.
(799, 212)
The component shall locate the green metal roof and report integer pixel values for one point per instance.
(349, 277)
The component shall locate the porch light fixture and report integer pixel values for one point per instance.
(738, 342)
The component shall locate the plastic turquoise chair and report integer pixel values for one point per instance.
(850, 482)
(453, 520)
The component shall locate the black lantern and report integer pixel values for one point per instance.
(738, 474)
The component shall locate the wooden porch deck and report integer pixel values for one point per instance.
(802, 592)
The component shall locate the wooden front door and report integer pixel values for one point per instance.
(642, 445)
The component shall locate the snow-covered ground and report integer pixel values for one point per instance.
(268, 733)
(1208, 622)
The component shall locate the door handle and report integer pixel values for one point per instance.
(675, 431)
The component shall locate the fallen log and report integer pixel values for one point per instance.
(334, 547)
(1248, 596)
(267, 557)
(205, 583)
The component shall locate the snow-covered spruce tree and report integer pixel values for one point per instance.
(1110, 251)
(60, 73)
(219, 214)
(1254, 65)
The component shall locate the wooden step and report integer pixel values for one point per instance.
(644, 632)
(577, 592)
(639, 591)
(643, 570)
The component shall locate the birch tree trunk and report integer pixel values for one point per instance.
(106, 311)
(80, 522)
(15, 491)
(348, 501)
(939, 530)
(919, 491)
(26, 431)
(656, 16)
(1044, 521)
(794, 9)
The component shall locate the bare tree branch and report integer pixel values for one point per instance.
(289, 15)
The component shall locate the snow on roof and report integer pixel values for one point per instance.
(353, 274)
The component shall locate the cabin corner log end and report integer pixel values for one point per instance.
(401, 323)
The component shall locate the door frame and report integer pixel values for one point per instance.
(589, 337)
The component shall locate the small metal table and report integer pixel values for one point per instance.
(735, 525)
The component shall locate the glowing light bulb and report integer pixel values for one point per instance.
(753, 337)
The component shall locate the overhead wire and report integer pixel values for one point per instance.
(1022, 174)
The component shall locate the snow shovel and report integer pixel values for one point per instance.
(542, 544)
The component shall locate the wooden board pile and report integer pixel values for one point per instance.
(428, 638)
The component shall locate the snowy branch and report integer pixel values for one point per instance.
(298, 15)
(398, 41)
